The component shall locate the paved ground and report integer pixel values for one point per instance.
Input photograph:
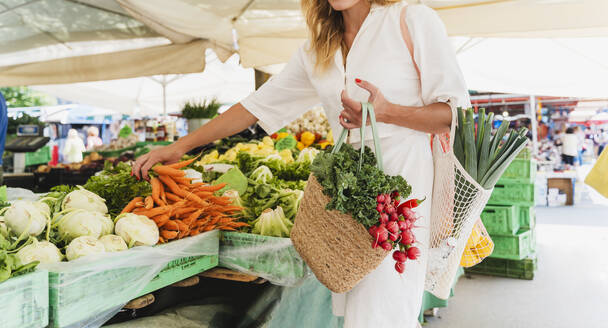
(570, 289)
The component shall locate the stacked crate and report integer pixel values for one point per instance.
(510, 220)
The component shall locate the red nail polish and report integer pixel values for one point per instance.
(358, 80)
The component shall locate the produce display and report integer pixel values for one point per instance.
(119, 143)
(313, 121)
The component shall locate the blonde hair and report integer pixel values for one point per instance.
(326, 27)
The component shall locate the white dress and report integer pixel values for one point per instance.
(379, 55)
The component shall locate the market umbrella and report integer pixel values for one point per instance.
(144, 96)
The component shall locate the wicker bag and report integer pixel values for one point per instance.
(337, 248)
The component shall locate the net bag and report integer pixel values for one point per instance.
(457, 203)
(336, 247)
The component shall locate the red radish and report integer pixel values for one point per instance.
(396, 203)
(407, 237)
(375, 244)
(387, 200)
(413, 253)
(380, 208)
(400, 267)
(392, 227)
(380, 199)
(384, 218)
(395, 194)
(394, 216)
(390, 209)
(403, 225)
(408, 214)
(386, 245)
(381, 233)
(399, 256)
(372, 230)
(394, 236)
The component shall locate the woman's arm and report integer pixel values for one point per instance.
(234, 120)
(435, 118)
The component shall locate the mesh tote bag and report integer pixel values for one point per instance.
(457, 203)
(335, 246)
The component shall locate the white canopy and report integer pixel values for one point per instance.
(263, 32)
(228, 82)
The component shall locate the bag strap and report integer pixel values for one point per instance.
(367, 109)
(446, 139)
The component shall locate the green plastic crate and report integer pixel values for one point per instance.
(87, 294)
(25, 301)
(520, 170)
(518, 269)
(41, 156)
(527, 217)
(272, 258)
(514, 247)
(533, 240)
(521, 194)
(500, 220)
(525, 153)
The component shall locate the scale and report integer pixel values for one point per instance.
(29, 139)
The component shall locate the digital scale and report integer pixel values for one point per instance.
(29, 139)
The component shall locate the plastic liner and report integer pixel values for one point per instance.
(25, 301)
(272, 258)
(89, 291)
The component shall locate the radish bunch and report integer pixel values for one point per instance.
(394, 228)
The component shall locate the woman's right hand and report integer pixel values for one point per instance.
(165, 155)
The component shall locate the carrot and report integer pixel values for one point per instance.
(238, 224)
(192, 217)
(182, 226)
(194, 232)
(131, 205)
(168, 234)
(221, 200)
(182, 164)
(173, 197)
(171, 225)
(161, 220)
(209, 227)
(183, 233)
(183, 180)
(214, 220)
(184, 210)
(226, 228)
(203, 194)
(148, 202)
(168, 171)
(212, 188)
(156, 190)
(163, 196)
(155, 211)
(161, 240)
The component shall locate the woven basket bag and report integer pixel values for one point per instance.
(337, 248)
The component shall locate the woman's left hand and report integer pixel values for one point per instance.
(350, 117)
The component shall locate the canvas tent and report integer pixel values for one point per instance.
(544, 47)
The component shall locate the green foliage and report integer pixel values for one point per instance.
(293, 171)
(117, 186)
(9, 264)
(351, 191)
(23, 119)
(205, 109)
(23, 97)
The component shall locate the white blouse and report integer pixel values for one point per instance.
(378, 55)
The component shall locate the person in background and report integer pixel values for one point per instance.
(580, 134)
(3, 126)
(93, 139)
(602, 140)
(570, 146)
(73, 148)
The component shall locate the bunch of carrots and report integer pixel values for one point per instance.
(181, 208)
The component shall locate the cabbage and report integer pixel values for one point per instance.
(136, 230)
(113, 243)
(43, 252)
(272, 223)
(307, 155)
(83, 246)
(234, 197)
(195, 175)
(77, 223)
(262, 174)
(25, 216)
(85, 200)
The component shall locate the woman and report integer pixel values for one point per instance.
(73, 148)
(356, 52)
(93, 139)
(570, 146)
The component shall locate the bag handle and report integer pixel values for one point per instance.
(367, 109)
